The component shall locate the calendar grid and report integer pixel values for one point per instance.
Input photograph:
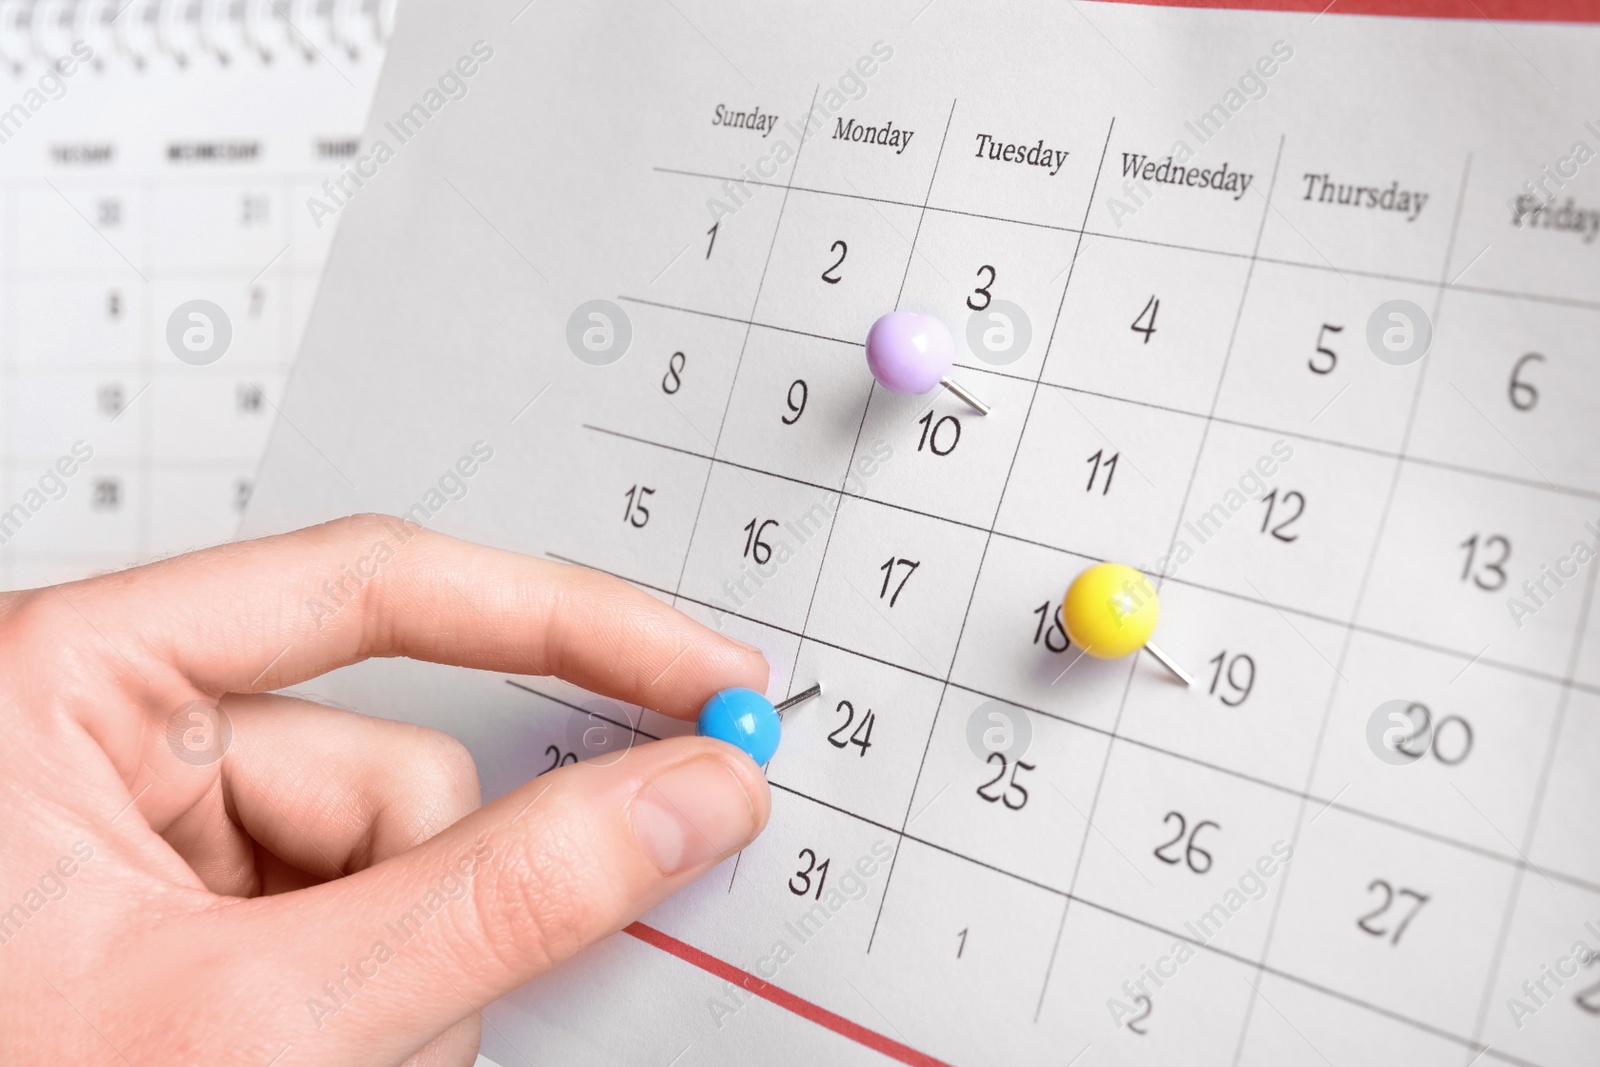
(866, 405)
(1355, 612)
(722, 423)
(743, 345)
(944, 688)
(1053, 890)
(844, 481)
(1066, 896)
(1304, 796)
(1300, 435)
(922, 212)
(1259, 963)
(1329, 803)
(1363, 628)
(1194, 472)
(1244, 776)
(1552, 746)
(1427, 482)
(1514, 294)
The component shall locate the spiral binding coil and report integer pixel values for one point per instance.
(186, 33)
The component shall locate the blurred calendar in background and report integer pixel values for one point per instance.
(158, 156)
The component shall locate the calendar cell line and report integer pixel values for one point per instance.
(889, 880)
(1394, 482)
(1222, 398)
(833, 521)
(1221, 420)
(1319, 800)
(1098, 906)
(1563, 705)
(783, 204)
(1044, 985)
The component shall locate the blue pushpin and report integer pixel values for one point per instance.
(747, 720)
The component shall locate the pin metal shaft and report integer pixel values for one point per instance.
(800, 697)
(977, 405)
(1162, 658)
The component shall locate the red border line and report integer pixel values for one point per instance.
(782, 997)
(1467, 10)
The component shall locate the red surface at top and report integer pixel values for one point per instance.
(1498, 10)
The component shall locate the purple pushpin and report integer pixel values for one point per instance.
(911, 353)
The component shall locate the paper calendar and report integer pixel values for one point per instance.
(1295, 311)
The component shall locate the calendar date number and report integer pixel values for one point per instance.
(636, 514)
(1193, 856)
(1004, 788)
(861, 736)
(809, 879)
(1389, 920)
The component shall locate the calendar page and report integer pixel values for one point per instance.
(1293, 311)
(155, 162)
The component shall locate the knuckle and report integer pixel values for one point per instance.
(453, 761)
(360, 527)
(362, 541)
(343, 535)
(441, 788)
(40, 629)
(444, 773)
(30, 611)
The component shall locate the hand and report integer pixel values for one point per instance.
(325, 888)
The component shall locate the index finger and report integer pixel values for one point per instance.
(260, 615)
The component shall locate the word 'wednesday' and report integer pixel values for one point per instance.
(1167, 172)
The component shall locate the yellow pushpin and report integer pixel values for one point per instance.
(1110, 611)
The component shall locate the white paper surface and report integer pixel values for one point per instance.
(1337, 531)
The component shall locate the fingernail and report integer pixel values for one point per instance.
(691, 814)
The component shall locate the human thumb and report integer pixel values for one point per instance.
(370, 967)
